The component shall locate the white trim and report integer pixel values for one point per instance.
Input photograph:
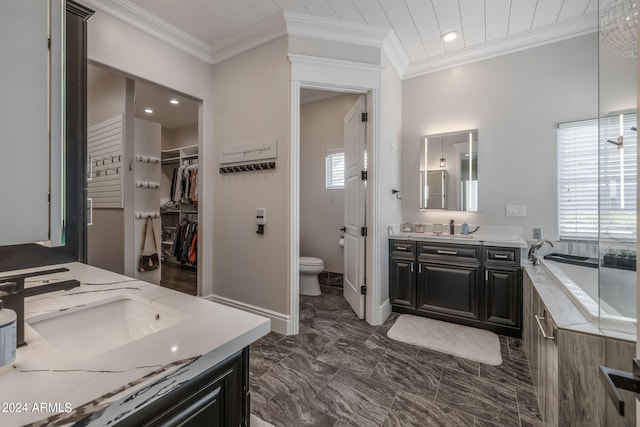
(315, 27)
(385, 310)
(324, 71)
(395, 53)
(158, 28)
(294, 208)
(329, 74)
(582, 25)
(279, 322)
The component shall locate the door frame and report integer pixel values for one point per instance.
(311, 72)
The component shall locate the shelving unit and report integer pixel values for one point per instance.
(173, 213)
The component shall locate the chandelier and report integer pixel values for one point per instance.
(618, 22)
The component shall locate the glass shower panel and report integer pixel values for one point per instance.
(618, 173)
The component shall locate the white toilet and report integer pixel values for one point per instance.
(309, 269)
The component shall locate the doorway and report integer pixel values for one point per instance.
(139, 135)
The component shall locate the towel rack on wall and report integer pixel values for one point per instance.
(248, 167)
(145, 215)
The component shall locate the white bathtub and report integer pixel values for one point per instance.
(615, 311)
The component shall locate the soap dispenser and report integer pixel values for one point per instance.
(465, 227)
(452, 227)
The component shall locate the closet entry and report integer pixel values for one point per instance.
(148, 176)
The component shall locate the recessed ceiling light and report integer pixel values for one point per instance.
(148, 110)
(449, 37)
(174, 101)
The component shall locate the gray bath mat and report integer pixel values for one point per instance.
(462, 341)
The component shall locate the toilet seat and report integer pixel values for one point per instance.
(311, 261)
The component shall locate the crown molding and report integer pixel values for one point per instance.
(395, 53)
(160, 29)
(549, 34)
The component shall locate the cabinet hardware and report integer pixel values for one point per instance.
(412, 267)
(401, 248)
(440, 251)
(420, 268)
(486, 275)
(90, 203)
(544, 333)
(500, 256)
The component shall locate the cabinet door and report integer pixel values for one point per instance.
(502, 297)
(448, 289)
(403, 282)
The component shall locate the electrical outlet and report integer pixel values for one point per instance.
(516, 210)
(537, 233)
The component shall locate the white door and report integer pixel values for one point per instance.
(354, 206)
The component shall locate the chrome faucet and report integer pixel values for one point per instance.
(533, 256)
(13, 293)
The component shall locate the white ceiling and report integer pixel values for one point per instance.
(148, 95)
(487, 27)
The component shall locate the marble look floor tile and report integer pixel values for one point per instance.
(479, 397)
(298, 376)
(263, 357)
(282, 411)
(270, 338)
(516, 348)
(310, 344)
(352, 355)
(448, 361)
(348, 330)
(414, 410)
(528, 405)
(355, 400)
(479, 422)
(379, 339)
(317, 323)
(407, 374)
(511, 373)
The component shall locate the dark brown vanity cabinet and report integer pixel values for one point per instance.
(217, 397)
(503, 288)
(402, 267)
(474, 285)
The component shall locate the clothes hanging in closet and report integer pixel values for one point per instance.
(184, 184)
(185, 244)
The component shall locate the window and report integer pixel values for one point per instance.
(334, 169)
(597, 182)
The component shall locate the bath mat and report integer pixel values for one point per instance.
(458, 340)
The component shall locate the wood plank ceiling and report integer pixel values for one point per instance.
(418, 24)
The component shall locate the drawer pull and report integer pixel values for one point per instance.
(402, 248)
(440, 251)
(420, 268)
(544, 333)
(412, 267)
(501, 256)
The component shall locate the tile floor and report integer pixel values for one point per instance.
(340, 371)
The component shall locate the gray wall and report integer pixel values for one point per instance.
(516, 102)
(105, 238)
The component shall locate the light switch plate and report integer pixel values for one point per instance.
(516, 210)
(537, 233)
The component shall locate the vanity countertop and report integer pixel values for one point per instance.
(46, 385)
(477, 238)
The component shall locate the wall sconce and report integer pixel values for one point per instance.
(443, 160)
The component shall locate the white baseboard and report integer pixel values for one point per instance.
(385, 311)
(280, 323)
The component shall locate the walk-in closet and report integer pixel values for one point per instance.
(143, 188)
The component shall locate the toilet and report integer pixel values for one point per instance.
(310, 267)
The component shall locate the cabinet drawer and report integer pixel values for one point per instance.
(465, 252)
(402, 248)
(503, 255)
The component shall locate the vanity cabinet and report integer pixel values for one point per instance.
(503, 288)
(448, 285)
(217, 397)
(474, 285)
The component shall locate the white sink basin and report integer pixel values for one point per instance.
(89, 330)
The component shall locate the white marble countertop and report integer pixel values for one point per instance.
(70, 387)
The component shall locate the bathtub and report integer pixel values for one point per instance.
(613, 306)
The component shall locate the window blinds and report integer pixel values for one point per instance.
(596, 180)
(334, 169)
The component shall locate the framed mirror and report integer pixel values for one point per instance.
(449, 171)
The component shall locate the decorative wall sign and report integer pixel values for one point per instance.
(249, 151)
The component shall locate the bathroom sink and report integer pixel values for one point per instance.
(89, 330)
